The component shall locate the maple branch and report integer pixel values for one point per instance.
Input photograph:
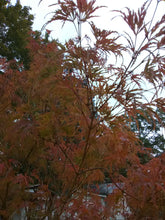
(29, 153)
(67, 156)
(80, 103)
(136, 52)
(144, 59)
(86, 148)
(1, 110)
(90, 170)
(153, 16)
(81, 164)
(123, 191)
(5, 196)
(112, 94)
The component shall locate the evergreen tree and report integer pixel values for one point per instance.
(15, 24)
(149, 132)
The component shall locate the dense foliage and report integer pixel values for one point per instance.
(65, 123)
(15, 25)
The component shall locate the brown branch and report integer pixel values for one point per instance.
(1, 110)
(66, 156)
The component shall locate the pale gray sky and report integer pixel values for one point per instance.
(104, 21)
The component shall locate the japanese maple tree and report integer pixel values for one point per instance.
(65, 124)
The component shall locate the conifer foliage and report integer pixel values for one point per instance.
(65, 124)
(15, 24)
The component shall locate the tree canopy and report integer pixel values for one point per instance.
(15, 25)
(65, 123)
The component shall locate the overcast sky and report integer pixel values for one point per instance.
(104, 21)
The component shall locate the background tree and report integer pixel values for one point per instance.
(149, 132)
(51, 139)
(15, 25)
